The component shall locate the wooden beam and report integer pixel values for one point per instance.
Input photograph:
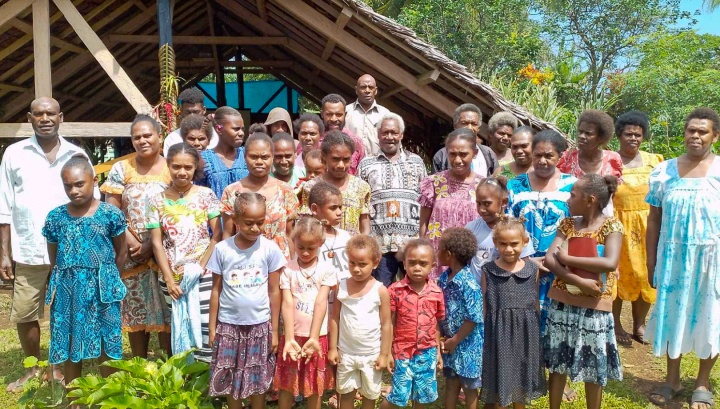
(13, 87)
(428, 78)
(262, 9)
(71, 130)
(340, 23)
(54, 41)
(103, 56)
(208, 62)
(363, 52)
(199, 40)
(11, 9)
(41, 48)
(389, 93)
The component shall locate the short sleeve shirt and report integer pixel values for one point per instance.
(416, 317)
(335, 247)
(305, 286)
(244, 298)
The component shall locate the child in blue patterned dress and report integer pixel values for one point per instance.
(462, 328)
(86, 245)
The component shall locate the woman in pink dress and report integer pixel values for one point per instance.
(447, 198)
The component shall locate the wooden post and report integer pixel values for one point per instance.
(41, 48)
(240, 79)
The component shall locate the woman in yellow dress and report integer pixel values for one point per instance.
(631, 129)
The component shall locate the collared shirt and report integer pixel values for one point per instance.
(30, 187)
(416, 317)
(364, 124)
(174, 138)
(394, 193)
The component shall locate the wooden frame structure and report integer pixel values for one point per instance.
(57, 47)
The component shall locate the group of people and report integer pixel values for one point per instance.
(313, 255)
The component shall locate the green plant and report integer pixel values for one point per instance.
(41, 391)
(141, 384)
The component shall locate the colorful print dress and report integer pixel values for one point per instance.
(632, 211)
(85, 289)
(452, 203)
(186, 238)
(144, 308)
(355, 202)
(686, 316)
(281, 209)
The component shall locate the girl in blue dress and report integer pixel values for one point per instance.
(225, 164)
(86, 244)
(683, 258)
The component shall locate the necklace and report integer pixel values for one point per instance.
(331, 253)
(182, 194)
(310, 276)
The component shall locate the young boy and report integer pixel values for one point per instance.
(284, 168)
(416, 305)
(326, 206)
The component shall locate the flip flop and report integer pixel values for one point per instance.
(700, 396)
(569, 395)
(666, 392)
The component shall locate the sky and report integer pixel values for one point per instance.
(708, 23)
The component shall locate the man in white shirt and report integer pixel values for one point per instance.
(30, 187)
(362, 116)
(192, 101)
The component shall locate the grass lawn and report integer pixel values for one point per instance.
(642, 372)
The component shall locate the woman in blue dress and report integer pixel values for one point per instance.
(683, 258)
(86, 244)
(225, 164)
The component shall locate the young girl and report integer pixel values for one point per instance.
(195, 132)
(361, 328)
(245, 307)
(281, 201)
(491, 196)
(225, 164)
(305, 285)
(86, 244)
(337, 149)
(313, 168)
(448, 198)
(579, 338)
(129, 186)
(513, 368)
(178, 220)
(462, 327)
(326, 206)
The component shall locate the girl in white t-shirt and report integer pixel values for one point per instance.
(245, 307)
(305, 284)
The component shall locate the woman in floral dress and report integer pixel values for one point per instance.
(447, 198)
(129, 186)
(280, 200)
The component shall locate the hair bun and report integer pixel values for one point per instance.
(612, 184)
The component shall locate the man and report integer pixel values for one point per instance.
(191, 102)
(284, 167)
(485, 162)
(364, 114)
(332, 113)
(30, 186)
(394, 176)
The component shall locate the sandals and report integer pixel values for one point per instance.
(666, 394)
(569, 395)
(700, 396)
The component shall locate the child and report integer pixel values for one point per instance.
(178, 220)
(244, 312)
(513, 368)
(326, 206)
(284, 167)
(313, 168)
(305, 285)
(195, 131)
(579, 338)
(416, 305)
(462, 327)
(360, 329)
(225, 164)
(491, 196)
(86, 244)
(337, 150)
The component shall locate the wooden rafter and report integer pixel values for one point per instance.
(203, 40)
(11, 9)
(54, 41)
(73, 129)
(41, 48)
(342, 20)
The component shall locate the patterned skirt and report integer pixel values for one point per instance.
(81, 326)
(144, 307)
(301, 378)
(580, 342)
(242, 363)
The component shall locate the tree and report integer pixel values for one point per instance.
(604, 33)
(711, 5)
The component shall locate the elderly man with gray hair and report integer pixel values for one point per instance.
(394, 176)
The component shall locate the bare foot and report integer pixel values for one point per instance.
(702, 398)
(623, 337)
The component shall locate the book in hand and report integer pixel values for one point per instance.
(584, 247)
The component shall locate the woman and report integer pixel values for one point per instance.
(521, 150)
(280, 200)
(308, 128)
(501, 127)
(225, 164)
(447, 199)
(540, 197)
(631, 129)
(129, 186)
(683, 258)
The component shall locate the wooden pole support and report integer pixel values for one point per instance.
(41, 48)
